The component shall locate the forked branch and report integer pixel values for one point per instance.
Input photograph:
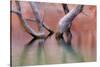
(38, 17)
(25, 23)
(66, 21)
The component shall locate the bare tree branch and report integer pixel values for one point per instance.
(68, 18)
(68, 32)
(25, 24)
(64, 23)
(15, 11)
(65, 8)
(38, 17)
(43, 24)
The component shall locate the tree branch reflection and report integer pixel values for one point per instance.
(39, 52)
(69, 54)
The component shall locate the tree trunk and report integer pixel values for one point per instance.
(66, 21)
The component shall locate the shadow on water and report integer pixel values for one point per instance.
(68, 53)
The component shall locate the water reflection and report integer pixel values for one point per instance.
(40, 52)
(40, 56)
(34, 53)
(25, 52)
(69, 54)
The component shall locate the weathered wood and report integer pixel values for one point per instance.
(68, 32)
(68, 18)
(38, 17)
(26, 25)
(66, 22)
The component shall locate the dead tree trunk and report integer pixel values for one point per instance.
(38, 18)
(25, 23)
(66, 21)
(68, 32)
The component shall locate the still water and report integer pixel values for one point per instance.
(49, 51)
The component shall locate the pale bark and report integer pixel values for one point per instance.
(66, 22)
(25, 23)
(68, 32)
(38, 17)
(68, 18)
